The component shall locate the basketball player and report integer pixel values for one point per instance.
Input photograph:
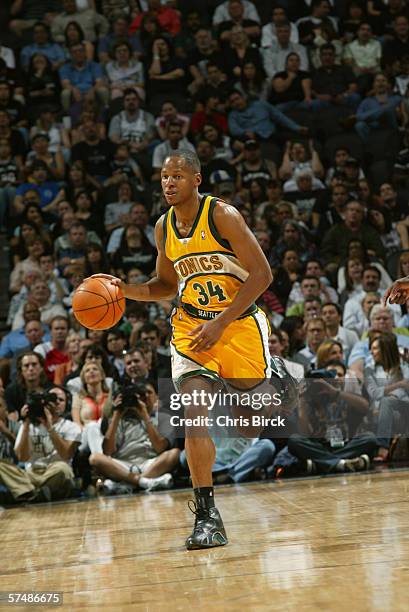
(398, 293)
(207, 255)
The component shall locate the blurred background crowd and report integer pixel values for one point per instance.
(299, 113)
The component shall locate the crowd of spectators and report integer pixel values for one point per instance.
(299, 113)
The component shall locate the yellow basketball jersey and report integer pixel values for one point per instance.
(209, 273)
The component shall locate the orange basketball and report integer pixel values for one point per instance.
(97, 304)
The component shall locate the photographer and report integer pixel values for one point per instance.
(31, 377)
(46, 442)
(134, 452)
(328, 417)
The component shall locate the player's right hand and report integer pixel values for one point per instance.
(117, 282)
(398, 293)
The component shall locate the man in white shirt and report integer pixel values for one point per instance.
(332, 315)
(268, 32)
(222, 12)
(274, 57)
(175, 140)
(364, 55)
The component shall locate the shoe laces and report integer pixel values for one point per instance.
(201, 514)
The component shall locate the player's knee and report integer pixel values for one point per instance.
(96, 459)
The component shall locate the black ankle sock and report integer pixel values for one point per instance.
(204, 497)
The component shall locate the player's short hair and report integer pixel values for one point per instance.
(189, 157)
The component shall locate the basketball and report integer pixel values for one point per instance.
(97, 304)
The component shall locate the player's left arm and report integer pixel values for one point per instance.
(232, 227)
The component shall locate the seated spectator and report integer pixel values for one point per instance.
(356, 252)
(169, 114)
(379, 110)
(115, 343)
(364, 56)
(167, 17)
(291, 88)
(238, 51)
(136, 127)
(38, 180)
(222, 12)
(393, 235)
(310, 286)
(329, 209)
(17, 341)
(215, 82)
(92, 23)
(138, 216)
(125, 71)
(220, 142)
(275, 56)
(47, 446)
(310, 27)
(116, 213)
(40, 295)
(96, 260)
(47, 123)
(76, 247)
(285, 275)
(94, 152)
(119, 33)
(91, 352)
(8, 181)
(29, 13)
(304, 190)
(149, 333)
(53, 352)
(335, 242)
(269, 31)
(166, 76)
(292, 237)
(253, 83)
(387, 385)
(134, 250)
(134, 451)
(40, 151)
(255, 166)
(86, 212)
(257, 119)
(30, 378)
(8, 433)
(235, 21)
(381, 320)
(13, 137)
(209, 115)
(398, 46)
(42, 45)
(332, 350)
(371, 279)
(328, 418)
(331, 313)
(72, 349)
(354, 16)
(88, 404)
(35, 248)
(315, 334)
(296, 158)
(326, 35)
(394, 202)
(74, 35)
(82, 80)
(175, 140)
(333, 84)
(201, 57)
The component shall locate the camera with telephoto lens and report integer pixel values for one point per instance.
(36, 403)
(131, 394)
(314, 391)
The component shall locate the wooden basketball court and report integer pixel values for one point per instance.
(338, 543)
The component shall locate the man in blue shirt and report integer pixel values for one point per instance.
(257, 118)
(377, 110)
(82, 79)
(42, 45)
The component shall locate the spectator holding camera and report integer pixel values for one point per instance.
(134, 452)
(328, 419)
(31, 378)
(46, 443)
